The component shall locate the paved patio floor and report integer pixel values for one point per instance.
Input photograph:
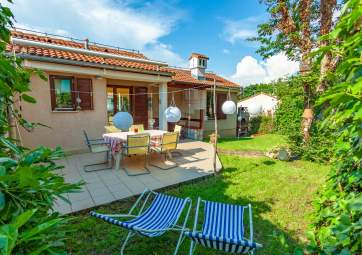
(105, 186)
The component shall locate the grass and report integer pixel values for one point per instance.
(279, 192)
(258, 143)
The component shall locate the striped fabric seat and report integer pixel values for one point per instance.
(162, 214)
(223, 229)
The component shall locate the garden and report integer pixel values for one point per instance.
(309, 203)
(281, 194)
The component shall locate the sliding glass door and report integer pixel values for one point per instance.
(118, 99)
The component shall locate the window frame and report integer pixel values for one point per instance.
(54, 107)
(210, 116)
(219, 114)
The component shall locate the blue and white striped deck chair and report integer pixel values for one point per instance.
(160, 216)
(223, 228)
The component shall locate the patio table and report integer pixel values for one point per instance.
(119, 139)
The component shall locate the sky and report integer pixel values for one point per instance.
(168, 30)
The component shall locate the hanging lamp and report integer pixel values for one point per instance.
(228, 107)
(173, 113)
(122, 120)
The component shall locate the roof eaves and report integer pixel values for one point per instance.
(90, 64)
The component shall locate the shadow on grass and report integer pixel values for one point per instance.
(92, 236)
(268, 162)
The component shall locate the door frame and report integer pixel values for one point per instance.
(132, 97)
(114, 87)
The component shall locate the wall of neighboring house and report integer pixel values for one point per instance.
(226, 127)
(260, 104)
(65, 128)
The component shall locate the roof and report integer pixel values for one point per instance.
(198, 55)
(259, 94)
(179, 76)
(184, 76)
(82, 57)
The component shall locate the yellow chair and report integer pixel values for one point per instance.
(112, 129)
(138, 144)
(138, 126)
(167, 145)
(177, 129)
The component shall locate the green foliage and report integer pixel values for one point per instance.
(290, 108)
(29, 184)
(261, 124)
(337, 227)
(252, 90)
(277, 35)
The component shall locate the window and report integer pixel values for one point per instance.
(67, 95)
(220, 99)
(209, 105)
(118, 99)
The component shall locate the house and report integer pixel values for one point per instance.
(258, 104)
(87, 83)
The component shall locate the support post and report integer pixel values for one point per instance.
(150, 108)
(216, 133)
(162, 106)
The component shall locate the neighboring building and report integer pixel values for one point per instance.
(88, 83)
(259, 104)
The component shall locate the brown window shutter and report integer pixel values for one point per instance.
(85, 90)
(220, 99)
(52, 92)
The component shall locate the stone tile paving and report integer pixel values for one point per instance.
(106, 186)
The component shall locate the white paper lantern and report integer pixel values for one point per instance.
(173, 114)
(228, 107)
(255, 109)
(122, 120)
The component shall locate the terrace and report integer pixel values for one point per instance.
(106, 186)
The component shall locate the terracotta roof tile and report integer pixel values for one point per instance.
(184, 76)
(198, 55)
(63, 54)
(181, 76)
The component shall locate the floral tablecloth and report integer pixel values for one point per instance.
(119, 139)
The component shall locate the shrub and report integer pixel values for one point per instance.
(261, 124)
(29, 184)
(337, 226)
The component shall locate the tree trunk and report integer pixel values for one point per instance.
(305, 8)
(326, 12)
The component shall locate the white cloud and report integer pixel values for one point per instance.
(226, 51)
(121, 23)
(251, 71)
(164, 52)
(240, 30)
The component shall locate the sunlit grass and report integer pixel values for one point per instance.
(258, 143)
(279, 192)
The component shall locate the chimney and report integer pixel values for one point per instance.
(198, 65)
(86, 43)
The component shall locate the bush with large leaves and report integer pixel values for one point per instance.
(337, 227)
(29, 185)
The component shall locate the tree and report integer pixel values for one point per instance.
(293, 28)
(327, 65)
(337, 226)
(29, 184)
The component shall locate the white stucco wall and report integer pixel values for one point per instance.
(259, 104)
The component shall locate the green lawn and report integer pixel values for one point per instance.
(258, 143)
(279, 192)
